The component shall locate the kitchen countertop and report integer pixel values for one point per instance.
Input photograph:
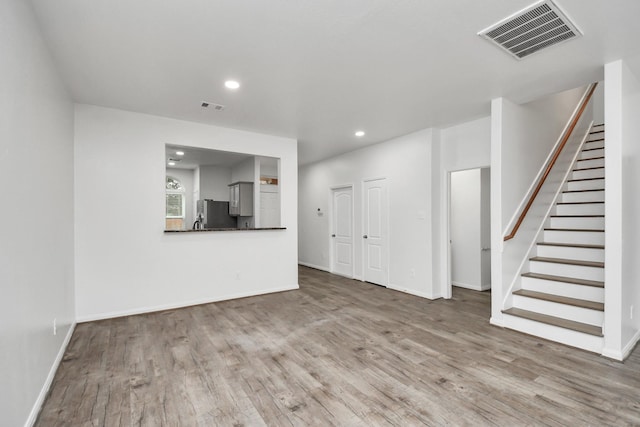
(225, 229)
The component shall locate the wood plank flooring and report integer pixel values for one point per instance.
(335, 352)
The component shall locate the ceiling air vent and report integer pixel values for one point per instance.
(214, 106)
(532, 29)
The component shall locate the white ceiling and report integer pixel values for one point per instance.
(317, 70)
(194, 157)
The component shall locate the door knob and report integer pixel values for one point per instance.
(333, 235)
(365, 237)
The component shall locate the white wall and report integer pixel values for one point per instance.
(405, 163)
(36, 237)
(631, 208)
(466, 145)
(598, 104)
(244, 171)
(268, 167)
(127, 267)
(622, 209)
(465, 229)
(530, 131)
(214, 183)
(186, 177)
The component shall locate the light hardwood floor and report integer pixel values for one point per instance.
(335, 352)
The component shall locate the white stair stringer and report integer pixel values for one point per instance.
(561, 291)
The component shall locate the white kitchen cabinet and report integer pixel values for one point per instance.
(241, 199)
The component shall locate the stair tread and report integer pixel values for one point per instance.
(590, 158)
(588, 169)
(594, 140)
(592, 305)
(583, 191)
(575, 229)
(577, 216)
(586, 179)
(572, 245)
(592, 149)
(596, 131)
(576, 203)
(555, 321)
(571, 280)
(568, 261)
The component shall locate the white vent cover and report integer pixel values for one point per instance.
(534, 28)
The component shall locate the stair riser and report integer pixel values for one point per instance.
(589, 173)
(554, 333)
(589, 293)
(595, 163)
(593, 184)
(580, 237)
(593, 143)
(566, 270)
(581, 209)
(591, 153)
(577, 222)
(583, 254)
(586, 196)
(569, 312)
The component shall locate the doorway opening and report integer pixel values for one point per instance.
(469, 230)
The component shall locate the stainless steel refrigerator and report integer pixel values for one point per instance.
(215, 214)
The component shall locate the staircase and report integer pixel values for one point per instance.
(561, 297)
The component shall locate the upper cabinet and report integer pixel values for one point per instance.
(241, 199)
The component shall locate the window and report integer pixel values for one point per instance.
(175, 204)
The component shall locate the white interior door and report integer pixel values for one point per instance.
(375, 237)
(342, 234)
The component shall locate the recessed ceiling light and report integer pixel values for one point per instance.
(179, 153)
(171, 163)
(232, 84)
(359, 133)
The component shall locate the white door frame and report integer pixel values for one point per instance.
(331, 228)
(362, 222)
(445, 232)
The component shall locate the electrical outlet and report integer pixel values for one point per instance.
(237, 275)
(55, 326)
(412, 272)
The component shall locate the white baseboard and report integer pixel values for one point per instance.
(626, 351)
(472, 287)
(316, 267)
(620, 355)
(35, 410)
(412, 292)
(497, 321)
(612, 354)
(143, 310)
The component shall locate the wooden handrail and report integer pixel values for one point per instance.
(552, 162)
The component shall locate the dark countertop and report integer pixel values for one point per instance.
(225, 229)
